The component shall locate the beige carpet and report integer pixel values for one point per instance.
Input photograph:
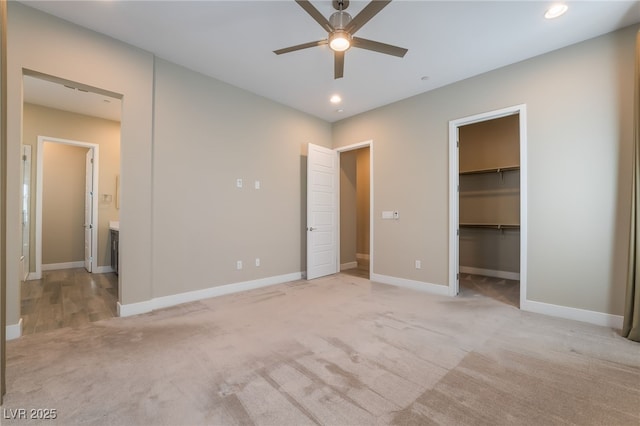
(336, 351)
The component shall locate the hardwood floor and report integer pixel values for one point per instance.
(67, 298)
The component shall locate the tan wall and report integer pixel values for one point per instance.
(348, 206)
(207, 135)
(63, 203)
(363, 200)
(42, 43)
(579, 128)
(43, 121)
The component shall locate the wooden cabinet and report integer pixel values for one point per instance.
(115, 236)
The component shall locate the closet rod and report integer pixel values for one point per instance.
(491, 170)
(499, 226)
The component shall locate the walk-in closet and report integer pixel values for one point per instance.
(489, 209)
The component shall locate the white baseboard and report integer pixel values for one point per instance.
(362, 256)
(66, 265)
(490, 273)
(591, 317)
(34, 276)
(103, 270)
(348, 265)
(14, 331)
(441, 290)
(192, 296)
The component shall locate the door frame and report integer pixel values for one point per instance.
(353, 147)
(454, 219)
(39, 181)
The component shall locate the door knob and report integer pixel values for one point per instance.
(311, 228)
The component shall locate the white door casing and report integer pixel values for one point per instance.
(322, 212)
(454, 194)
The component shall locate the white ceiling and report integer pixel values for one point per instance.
(448, 41)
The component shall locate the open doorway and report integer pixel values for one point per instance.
(73, 134)
(355, 212)
(488, 205)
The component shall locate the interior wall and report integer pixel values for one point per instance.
(63, 203)
(43, 121)
(579, 128)
(97, 61)
(363, 195)
(349, 204)
(208, 135)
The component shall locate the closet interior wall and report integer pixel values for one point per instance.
(489, 197)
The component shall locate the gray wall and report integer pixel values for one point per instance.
(207, 135)
(579, 104)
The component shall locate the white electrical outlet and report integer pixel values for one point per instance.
(239, 265)
(418, 264)
(257, 261)
(239, 183)
(396, 215)
(257, 184)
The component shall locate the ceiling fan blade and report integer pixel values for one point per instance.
(365, 15)
(319, 18)
(338, 65)
(300, 47)
(376, 46)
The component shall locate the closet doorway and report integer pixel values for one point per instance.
(488, 205)
(355, 210)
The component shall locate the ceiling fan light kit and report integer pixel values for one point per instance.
(340, 28)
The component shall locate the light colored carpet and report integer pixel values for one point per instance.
(335, 351)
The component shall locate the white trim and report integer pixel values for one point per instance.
(441, 290)
(453, 193)
(362, 256)
(192, 296)
(34, 276)
(39, 180)
(576, 314)
(348, 265)
(103, 270)
(14, 331)
(359, 145)
(507, 275)
(65, 265)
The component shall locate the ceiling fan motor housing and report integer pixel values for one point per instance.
(339, 20)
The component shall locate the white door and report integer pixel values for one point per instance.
(322, 212)
(88, 212)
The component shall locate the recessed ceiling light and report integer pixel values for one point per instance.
(335, 99)
(556, 10)
(340, 110)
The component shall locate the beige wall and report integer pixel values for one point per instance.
(363, 196)
(63, 203)
(208, 134)
(579, 128)
(348, 206)
(42, 43)
(43, 121)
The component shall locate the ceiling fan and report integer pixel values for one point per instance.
(341, 28)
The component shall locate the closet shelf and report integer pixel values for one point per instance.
(499, 226)
(491, 170)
